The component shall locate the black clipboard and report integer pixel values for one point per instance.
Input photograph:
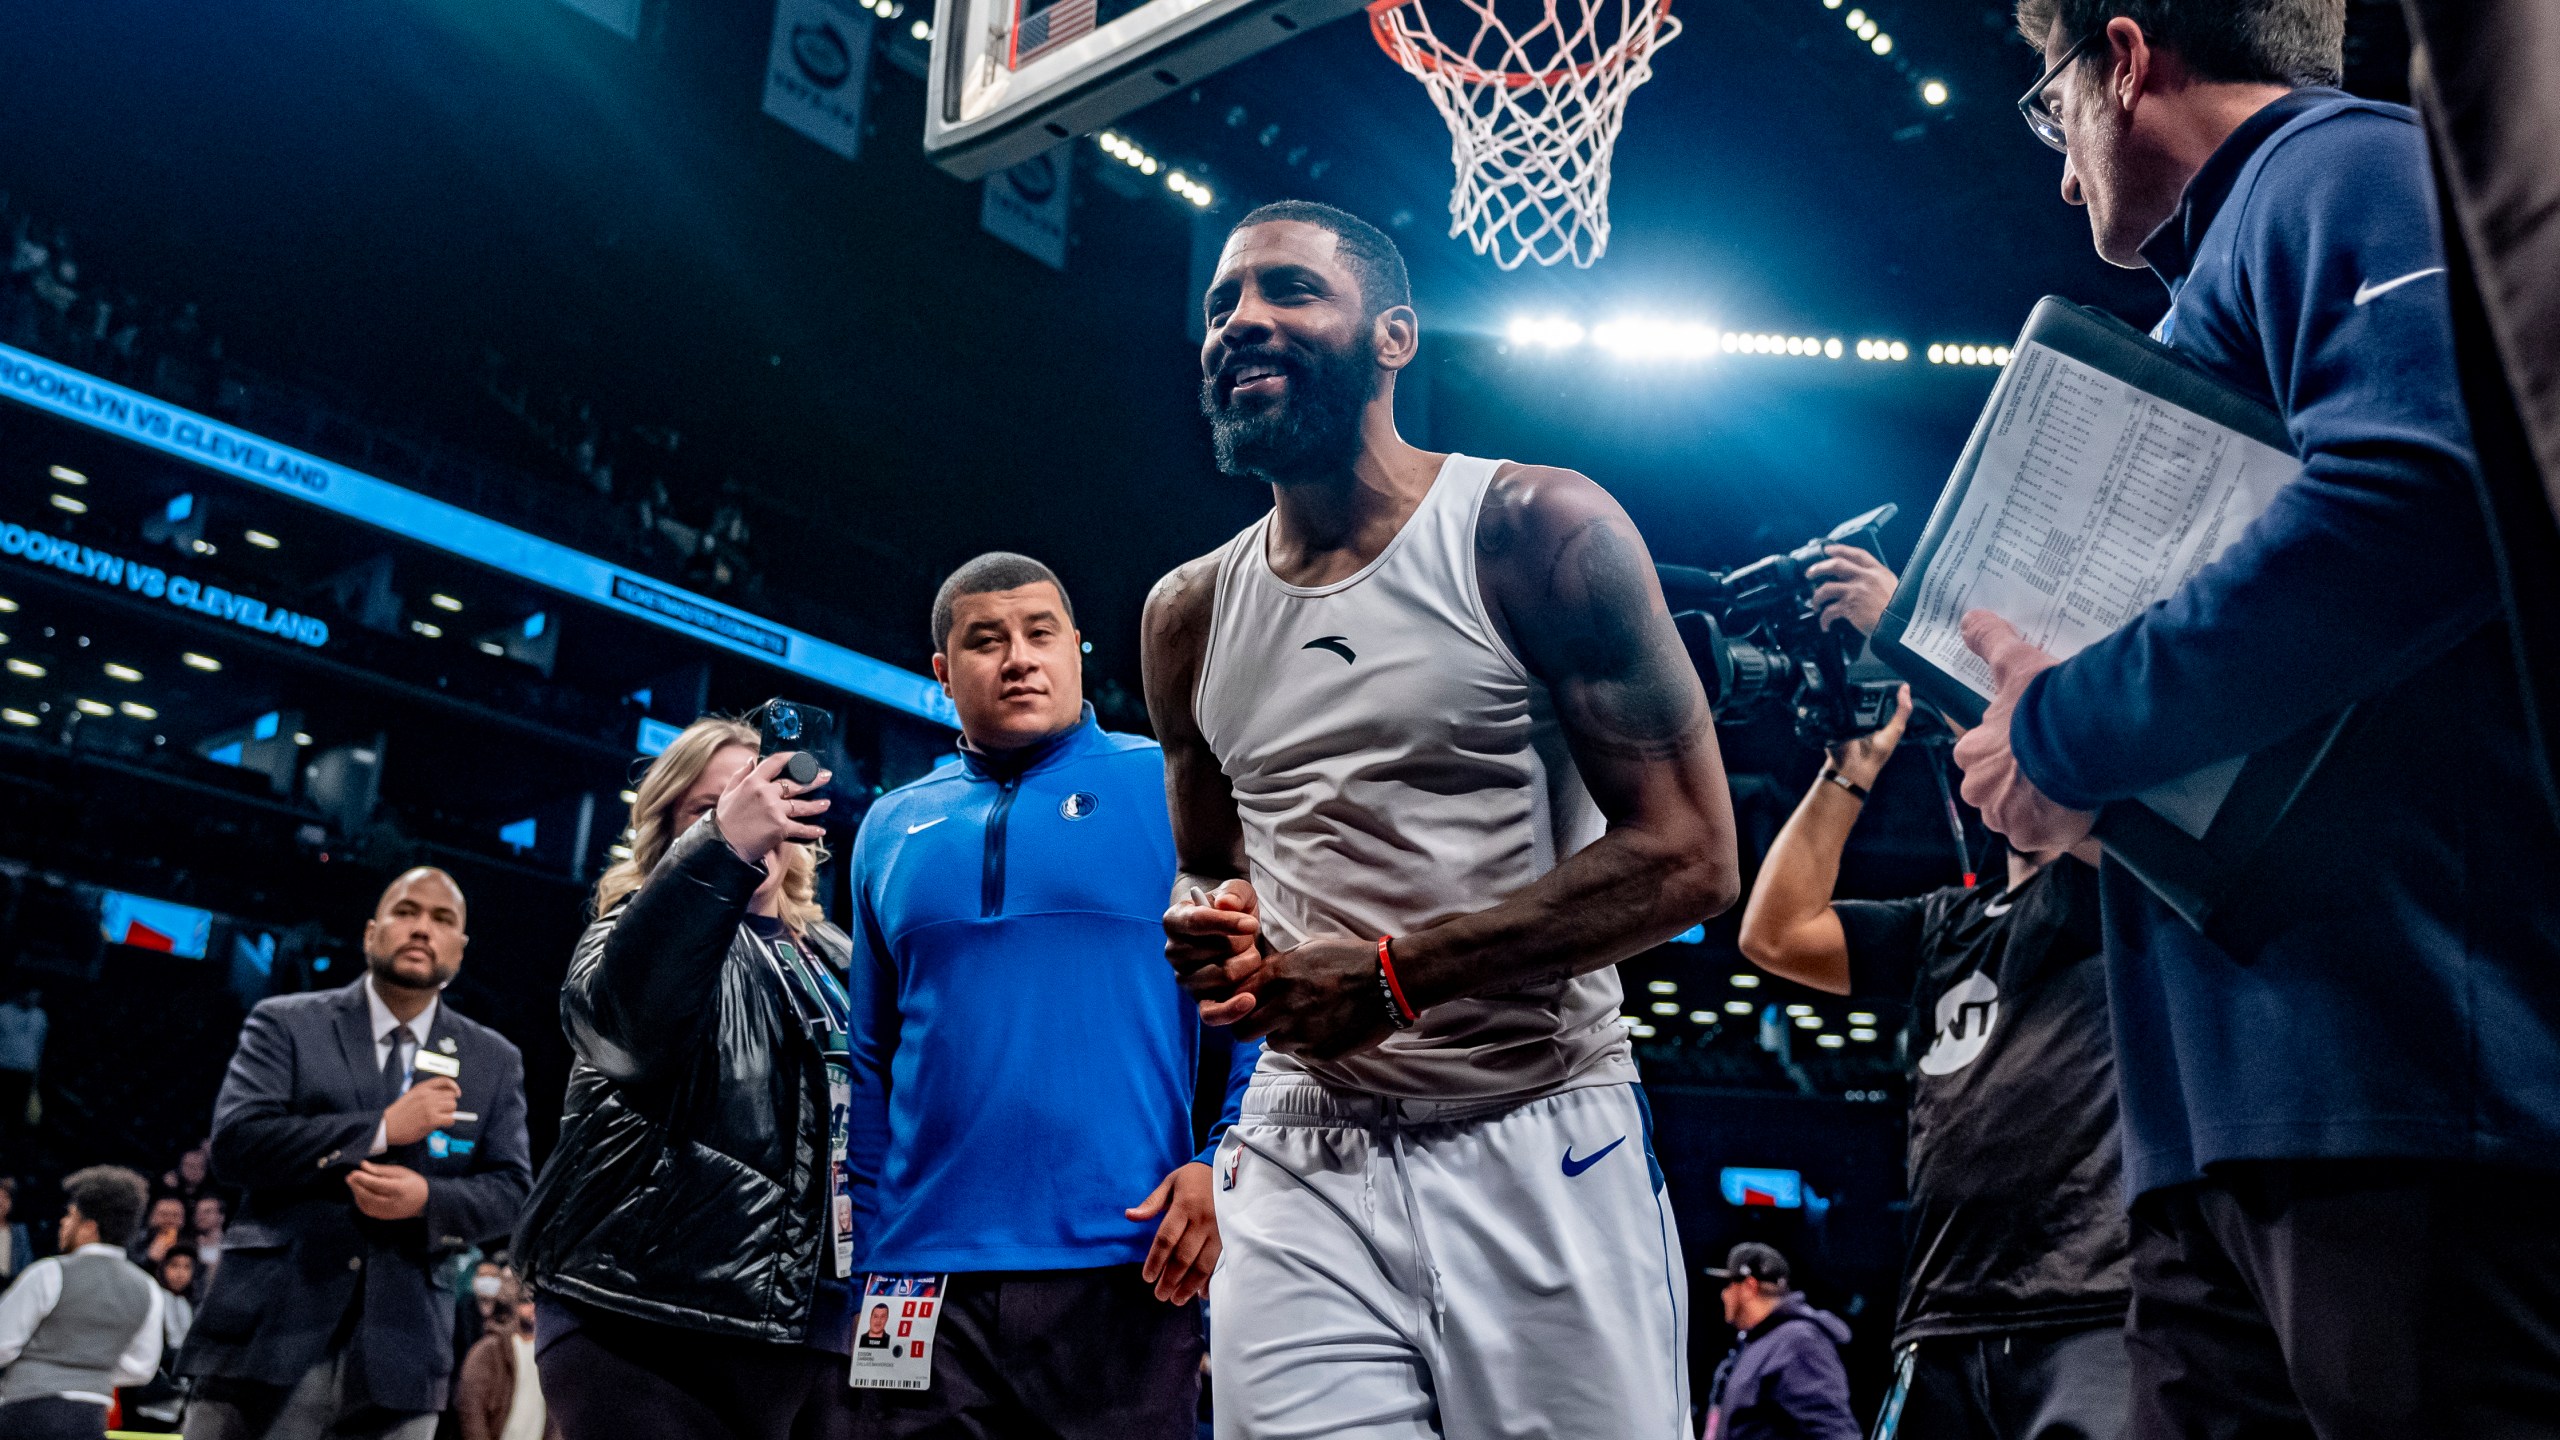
(2195, 874)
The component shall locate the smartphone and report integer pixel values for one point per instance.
(802, 730)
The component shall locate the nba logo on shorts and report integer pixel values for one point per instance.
(1079, 805)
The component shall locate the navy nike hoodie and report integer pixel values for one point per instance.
(1785, 1380)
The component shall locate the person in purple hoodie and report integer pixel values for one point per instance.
(1785, 1380)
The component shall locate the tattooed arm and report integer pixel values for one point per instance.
(1571, 585)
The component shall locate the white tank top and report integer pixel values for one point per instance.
(1394, 764)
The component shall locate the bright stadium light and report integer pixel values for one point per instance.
(1881, 44)
(1702, 1017)
(1663, 987)
(205, 663)
(1737, 1007)
(65, 502)
(1808, 1022)
(67, 475)
(1665, 1007)
(1862, 1017)
(1828, 1042)
(1799, 1011)
(1655, 340)
(1745, 981)
(1546, 332)
(1933, 92)
(27, 668)
(16, 716)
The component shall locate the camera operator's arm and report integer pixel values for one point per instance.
(1856, 586)
(1789, 928)
(643, 979)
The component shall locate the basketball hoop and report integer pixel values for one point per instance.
(1533, 114)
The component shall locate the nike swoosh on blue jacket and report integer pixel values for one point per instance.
(1023, 1062)
(2394, 994)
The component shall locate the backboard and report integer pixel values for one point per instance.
(1009, 79)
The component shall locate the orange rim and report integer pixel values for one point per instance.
(1398, 47)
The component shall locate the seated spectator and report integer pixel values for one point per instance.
(165, 1230)
(178, 1275)
(192, 1180)
(500, 1394)
(209, 1220)
(472, 1311)
(79, 1325)
(22, 1030)
(17, 1248)
(159, 1404)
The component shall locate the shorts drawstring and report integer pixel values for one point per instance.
(1394, 1128)
(1393, 1114)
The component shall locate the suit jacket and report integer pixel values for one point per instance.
(2487, 77)
(296, 1113)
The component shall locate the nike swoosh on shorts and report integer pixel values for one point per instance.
(929, 824)
(2368, 290)
(1573, 1167)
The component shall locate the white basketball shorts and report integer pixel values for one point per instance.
(1400, 1268)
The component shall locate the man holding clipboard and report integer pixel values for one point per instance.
(2341, 1093)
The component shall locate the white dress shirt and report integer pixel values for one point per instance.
(40, 1289)
(384, 1022)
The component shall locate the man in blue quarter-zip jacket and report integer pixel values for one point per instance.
(1023, 1062)
(2341, 1111)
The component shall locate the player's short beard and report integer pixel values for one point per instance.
(1314, 428)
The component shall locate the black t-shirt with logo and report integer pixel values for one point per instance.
(2017, 1208)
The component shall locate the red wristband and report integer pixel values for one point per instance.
(1399, 1009)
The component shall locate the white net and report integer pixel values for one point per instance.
(1534, 110)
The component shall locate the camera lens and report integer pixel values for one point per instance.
(786, 721)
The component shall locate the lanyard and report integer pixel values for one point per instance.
(825, 1012)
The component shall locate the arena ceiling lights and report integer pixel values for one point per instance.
(1677, 341)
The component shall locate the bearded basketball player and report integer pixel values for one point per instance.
(1437, 762)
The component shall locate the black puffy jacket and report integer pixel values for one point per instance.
(689, 1186)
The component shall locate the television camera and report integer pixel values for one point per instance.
(1751, 633)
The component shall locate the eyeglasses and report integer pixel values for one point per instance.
(2040, 117)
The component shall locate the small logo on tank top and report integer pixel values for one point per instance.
(1079, 805)
(1333, 643)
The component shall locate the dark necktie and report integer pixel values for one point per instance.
(393, 1072)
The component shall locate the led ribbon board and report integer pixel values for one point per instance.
(129, 415)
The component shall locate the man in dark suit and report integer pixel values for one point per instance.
(374, 1132)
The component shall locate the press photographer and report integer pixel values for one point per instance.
(684, 1245)
(2014, 1289)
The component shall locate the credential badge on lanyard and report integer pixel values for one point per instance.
(827, 1012)
(893, 1331)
